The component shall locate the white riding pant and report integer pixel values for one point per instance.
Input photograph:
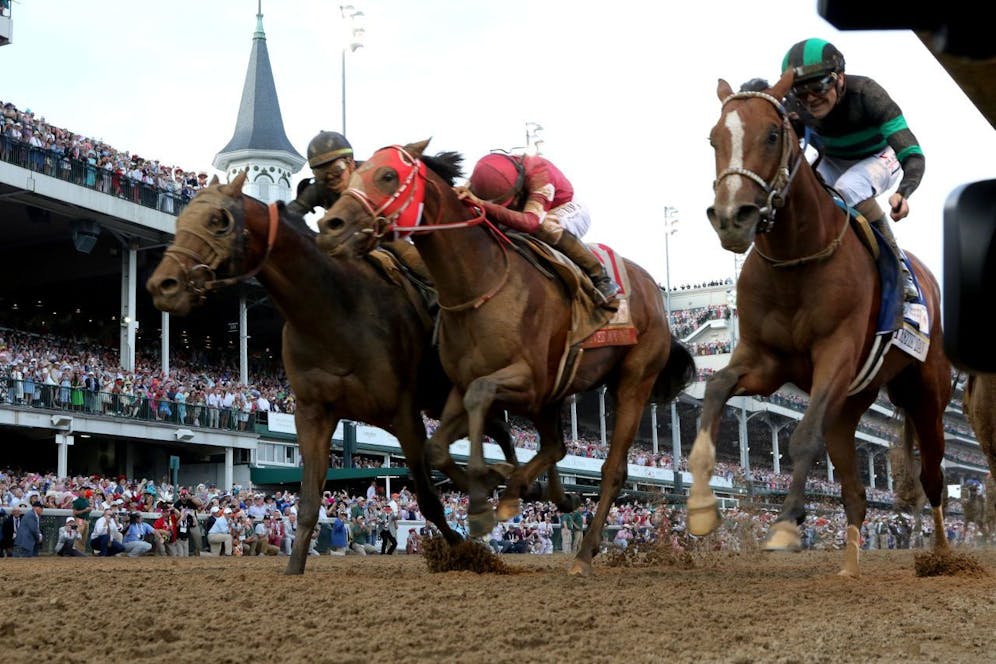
(573, 216)
(861, 179)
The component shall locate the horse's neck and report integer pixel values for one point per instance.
(810, 220)
(298, 278)
(459, 259)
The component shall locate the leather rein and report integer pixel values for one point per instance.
(778, 189)
(385, 215)
(216, 245)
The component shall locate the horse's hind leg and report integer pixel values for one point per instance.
(629, 402)
(703, 511)
(929, 428)
(840, 446)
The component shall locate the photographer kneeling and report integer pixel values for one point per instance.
(136, 536)
(69, 535)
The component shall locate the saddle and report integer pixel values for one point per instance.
(592, 326)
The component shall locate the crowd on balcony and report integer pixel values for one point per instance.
(31, 141)
(48, 371)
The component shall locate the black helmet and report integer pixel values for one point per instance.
(813, 59)
(326, 147)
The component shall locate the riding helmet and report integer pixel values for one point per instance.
(813, 58)
(326, 147)
(497, 178)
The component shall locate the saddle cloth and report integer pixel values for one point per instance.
(901, 324)
(592, 326)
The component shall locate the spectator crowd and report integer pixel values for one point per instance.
(117, 516)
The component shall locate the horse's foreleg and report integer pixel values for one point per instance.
(411, 435)
(614, 472)
(314, 426)
(703, 511)
(552, 449)
(452, 423)
(498, 429)
(512, 381)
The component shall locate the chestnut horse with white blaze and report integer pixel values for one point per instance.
(808, 298)
(503, 329)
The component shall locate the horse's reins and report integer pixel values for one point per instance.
(385, 217)
(777, 190)
(210, 265)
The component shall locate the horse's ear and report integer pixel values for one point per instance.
(418, 148)
(723, 90)
(214, 179)
(234, 188)
(781, 88)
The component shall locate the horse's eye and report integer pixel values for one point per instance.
(390, 176)
(220, 223)
(773, 137)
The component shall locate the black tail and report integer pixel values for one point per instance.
(677, 375)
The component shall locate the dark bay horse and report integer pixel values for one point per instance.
(356, 345)
(503, 328)
(808, 298)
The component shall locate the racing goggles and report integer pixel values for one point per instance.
(815, 86)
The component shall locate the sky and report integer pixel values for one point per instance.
(625, 93)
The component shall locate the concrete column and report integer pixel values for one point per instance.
(129, 274)
(229, 468)
(164, 344)
(653, 425)
(243, 340)
(601, 413)
(676, 445)
(129, 460)
(62, 443)
(776, 457)
(888, 472)
(871, 469)
(829, 468)
(574, 418)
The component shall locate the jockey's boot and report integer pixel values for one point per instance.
(909, 288)
(605, 288)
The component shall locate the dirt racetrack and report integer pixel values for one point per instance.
(727, 608)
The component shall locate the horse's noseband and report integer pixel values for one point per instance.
(777, 189)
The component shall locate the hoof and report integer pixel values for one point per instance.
(579, 568)
(848, 574)
(481, 523)
(703, 518)
(508, 508)
(783, 536)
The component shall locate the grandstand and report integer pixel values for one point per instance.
(81, 239)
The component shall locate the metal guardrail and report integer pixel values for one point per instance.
(90, 176)
(80, 401)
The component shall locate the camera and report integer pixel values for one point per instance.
(73, 527)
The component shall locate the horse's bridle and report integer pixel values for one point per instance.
(777, 189)
(214, 243)
(387, 212)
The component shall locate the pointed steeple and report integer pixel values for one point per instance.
(260, 143)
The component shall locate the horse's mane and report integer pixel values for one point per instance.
(447, 165)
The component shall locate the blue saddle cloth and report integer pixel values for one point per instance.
(890, 314)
